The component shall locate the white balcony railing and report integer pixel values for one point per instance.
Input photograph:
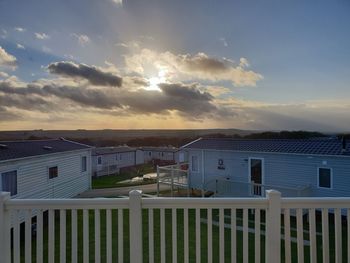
(222, 187)
(137, 229)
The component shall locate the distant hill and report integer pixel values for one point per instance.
(115, 134)
(119, 137)
(136, 138)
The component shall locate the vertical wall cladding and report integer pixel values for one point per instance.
(33, 180)
(139, 155)
(284, 170)
(225, 164)
(302, 170)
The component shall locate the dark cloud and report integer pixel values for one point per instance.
(25, 102)
(188, 100)
(201, 62)
(89, 97)
(140, 81)
(93, 74)
(84, 96)
(180, 90)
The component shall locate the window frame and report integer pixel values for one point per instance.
(48, 172)
(82, 167)
(98, 160)
(8, 171)
(330, 178)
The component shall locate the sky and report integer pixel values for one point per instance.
(147, 64)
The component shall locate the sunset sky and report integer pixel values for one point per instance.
(112, 64)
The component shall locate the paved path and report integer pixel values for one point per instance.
(121, 191)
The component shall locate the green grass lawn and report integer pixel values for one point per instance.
(180, 237)
(116, 180)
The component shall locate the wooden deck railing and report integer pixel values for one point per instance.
(136, 229)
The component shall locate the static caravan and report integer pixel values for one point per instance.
(55, 168)
(242, 168)
(109, 160)
(161, 153)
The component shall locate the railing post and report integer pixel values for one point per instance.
(135, 223)
(157, 180)
(273, 227)
(5, 229)
(172, 182)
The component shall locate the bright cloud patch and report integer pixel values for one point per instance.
(19, 46)
(41, 36)
(6, 59)
(82, 39)
(3, 75)
(198, 66)
(19, 29)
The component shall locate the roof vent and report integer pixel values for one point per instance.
(49, 148)
(3, 146)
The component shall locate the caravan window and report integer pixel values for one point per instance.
(83, 164)
(9, 182)
(53, 172)
(324, 177)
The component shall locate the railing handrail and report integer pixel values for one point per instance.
(171, 167)
(176, 202)
(297, 188)
(74, 203)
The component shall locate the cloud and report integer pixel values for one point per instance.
(83, 40)
(121, 45)
(223, 41)
(186, 104)
(117, 2)
(94, 75)
(41, 36)
(199, 66)
(3, 74)
(7, 115)
(3, 33)
(69, 56)
(46, 49)
(19, 46)
(6, 59)
(188, 101)
(19, 29)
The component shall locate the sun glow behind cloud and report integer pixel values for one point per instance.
(155, 81)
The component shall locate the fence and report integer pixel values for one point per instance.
(139, 229)
(176, 176)
(222, 187)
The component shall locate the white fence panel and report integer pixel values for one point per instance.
(175, 226)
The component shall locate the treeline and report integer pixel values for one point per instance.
(180, 141)
(273, 135)
(159, 141)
